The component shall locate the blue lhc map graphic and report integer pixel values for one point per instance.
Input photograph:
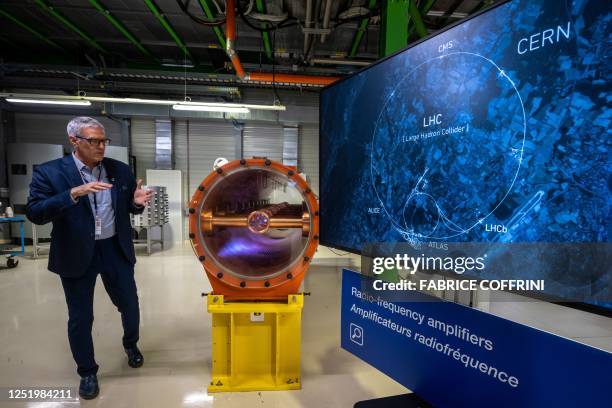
(432, 196)
(496, 130)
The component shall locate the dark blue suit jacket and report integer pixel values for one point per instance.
(72, 237)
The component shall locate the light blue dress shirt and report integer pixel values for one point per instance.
(104, 199)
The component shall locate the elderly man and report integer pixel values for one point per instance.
(88, 199)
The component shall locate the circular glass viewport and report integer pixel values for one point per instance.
(254, 223)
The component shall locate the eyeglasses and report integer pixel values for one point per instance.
(95, 142)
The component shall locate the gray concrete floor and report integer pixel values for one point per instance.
(175, 340)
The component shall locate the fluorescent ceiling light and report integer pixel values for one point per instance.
(168, 64)
(87, 100)
(210, 108)
(50, 101)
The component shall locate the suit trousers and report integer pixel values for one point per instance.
(118, 277)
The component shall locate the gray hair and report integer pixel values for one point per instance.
(76, 124)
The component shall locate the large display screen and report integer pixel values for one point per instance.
(495, 130)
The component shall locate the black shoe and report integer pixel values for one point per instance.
(88, 389)
(135, 358)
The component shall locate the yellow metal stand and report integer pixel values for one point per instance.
(255, 345)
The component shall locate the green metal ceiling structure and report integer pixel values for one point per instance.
(102, 36)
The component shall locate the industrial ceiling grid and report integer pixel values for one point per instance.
(103, 48)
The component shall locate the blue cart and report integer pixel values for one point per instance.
(9, 250)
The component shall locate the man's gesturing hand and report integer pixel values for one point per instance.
(141, 197)
(93, 187)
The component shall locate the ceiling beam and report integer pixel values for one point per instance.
(166, 24)
(11, 44)
(26, 27)
(423, 10)
(481, 5)
(117, 12)
(110, 42)
(95, 85)
(209, 14)
(143, 74)
(448, 14)
(363, 26)
(122, 28)
(265, 36)
(394, 26)
(416, 20)
(43, 4)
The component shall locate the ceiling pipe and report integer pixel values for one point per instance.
(313, 38)
(326, 18)
(291, 79)
(307, 24)
(230, 31)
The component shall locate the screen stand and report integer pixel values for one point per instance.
(396, 401)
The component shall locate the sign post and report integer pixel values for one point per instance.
(454, 356)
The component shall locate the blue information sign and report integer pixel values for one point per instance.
(455, 356)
